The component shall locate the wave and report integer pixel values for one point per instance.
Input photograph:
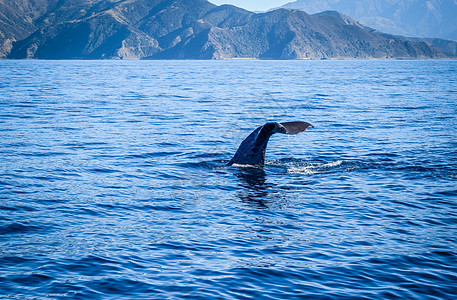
(306, 167)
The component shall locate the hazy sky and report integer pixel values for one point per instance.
(253, 5)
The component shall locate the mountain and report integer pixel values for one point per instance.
(190, 29)
(415, 18)
(20, 18)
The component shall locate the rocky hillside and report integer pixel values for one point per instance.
(415, 18)
(188, 29)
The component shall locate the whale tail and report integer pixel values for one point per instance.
(252, 150)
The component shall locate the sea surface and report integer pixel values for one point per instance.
(114, 184)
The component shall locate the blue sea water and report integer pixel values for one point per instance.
(114, 184)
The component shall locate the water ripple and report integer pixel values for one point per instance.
(114, 180)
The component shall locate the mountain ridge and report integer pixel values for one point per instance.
(415, 18)
(190, 29)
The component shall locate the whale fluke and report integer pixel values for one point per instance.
(295, 127)
(252, 150)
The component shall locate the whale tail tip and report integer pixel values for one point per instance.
(295, 127)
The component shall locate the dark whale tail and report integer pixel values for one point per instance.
(252, 150)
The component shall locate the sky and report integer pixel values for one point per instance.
(253, 5)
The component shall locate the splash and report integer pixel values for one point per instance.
(316, 168)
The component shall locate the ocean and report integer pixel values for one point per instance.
(114, 184)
